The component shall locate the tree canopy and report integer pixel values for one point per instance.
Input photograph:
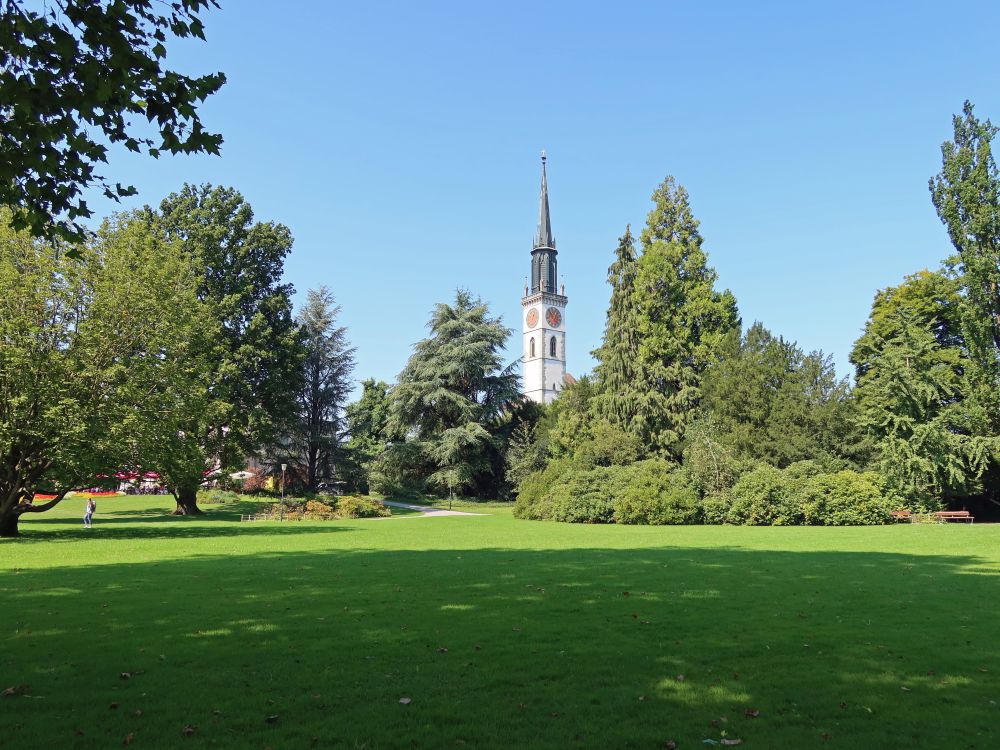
(74, 74)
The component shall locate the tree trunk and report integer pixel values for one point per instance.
(187, 502)
(8, 524)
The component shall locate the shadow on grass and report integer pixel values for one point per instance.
(511, 648)
(128, 523)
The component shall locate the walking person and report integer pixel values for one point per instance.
(88, 514)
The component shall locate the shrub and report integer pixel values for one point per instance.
(715, 508)
(533, 502)
(765, 496)
(653, 494)
(356, 506)
(217, 497)
(847, 498)
(582, 496)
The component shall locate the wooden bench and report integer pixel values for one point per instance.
(902, 515)
(954, 515)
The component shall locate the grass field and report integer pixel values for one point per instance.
(156, 631)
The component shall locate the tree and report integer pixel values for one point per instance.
(258, 373)
(328, 365)
(366, 426)
(100, 360)
(770, 401)
(912, 393)
(966, 194)
(618, 356)
(73, 75)
(682, 321)
(451, 397)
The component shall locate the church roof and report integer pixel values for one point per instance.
(544, 236)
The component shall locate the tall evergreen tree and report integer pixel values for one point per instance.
(366, 425)
(327, 369)
(451, 399)
(682, 321)
(916, 399)
(258, 373)
(618, 355)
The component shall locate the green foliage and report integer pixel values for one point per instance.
(847, 498)
(101, 359)
(765, 496)
(326, 384)
(911, 398)
(258, 371)
(73, 77)
(618, 356)
(966, 194)
(769, 401)
(683, 321)
(357, 506)
(646, 492)
(452, 398)
(711, 462)
(653, 494)
(217, 497)
(366, 424)
(525, 454)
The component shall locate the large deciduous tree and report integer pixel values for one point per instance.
(366, 426)
(258, 373)
(327, 369)
(74, 74)
(683, 321)
(98, 359)
(451, 399)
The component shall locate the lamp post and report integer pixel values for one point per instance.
(283, 467)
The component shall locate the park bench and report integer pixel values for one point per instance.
(954, 515)
(902, 515)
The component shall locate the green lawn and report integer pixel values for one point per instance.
(502, 633)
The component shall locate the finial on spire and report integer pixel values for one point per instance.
(544, 236)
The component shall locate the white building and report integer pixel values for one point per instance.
(543, 322)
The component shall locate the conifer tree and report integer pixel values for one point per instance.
(451, 400)
(682, 321)
(618, 355)
(327, 369)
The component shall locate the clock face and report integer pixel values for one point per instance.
(553, 317)
(532, 319)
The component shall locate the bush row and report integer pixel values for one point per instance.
(349, 506)
(656, 492)
(646, 492)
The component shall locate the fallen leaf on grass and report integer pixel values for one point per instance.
(642, 697)
(188, 730)
(138, 713)
(272, 719)
(905, 689)
(442, 650)
(681, 678)
(751, 713)
(113, 706)
(128, 738)
(670, 745)
(126, 675)
(733, 741)
(15, 690)
(405, 701)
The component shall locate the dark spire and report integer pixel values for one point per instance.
(544, 236)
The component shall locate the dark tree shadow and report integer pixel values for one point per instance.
(509, 648)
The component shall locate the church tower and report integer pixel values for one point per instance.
(543, 322)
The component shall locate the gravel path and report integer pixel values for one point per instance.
(426, 512)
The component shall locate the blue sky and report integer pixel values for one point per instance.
(400, 144)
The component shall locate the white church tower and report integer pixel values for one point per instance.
(544, 319)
